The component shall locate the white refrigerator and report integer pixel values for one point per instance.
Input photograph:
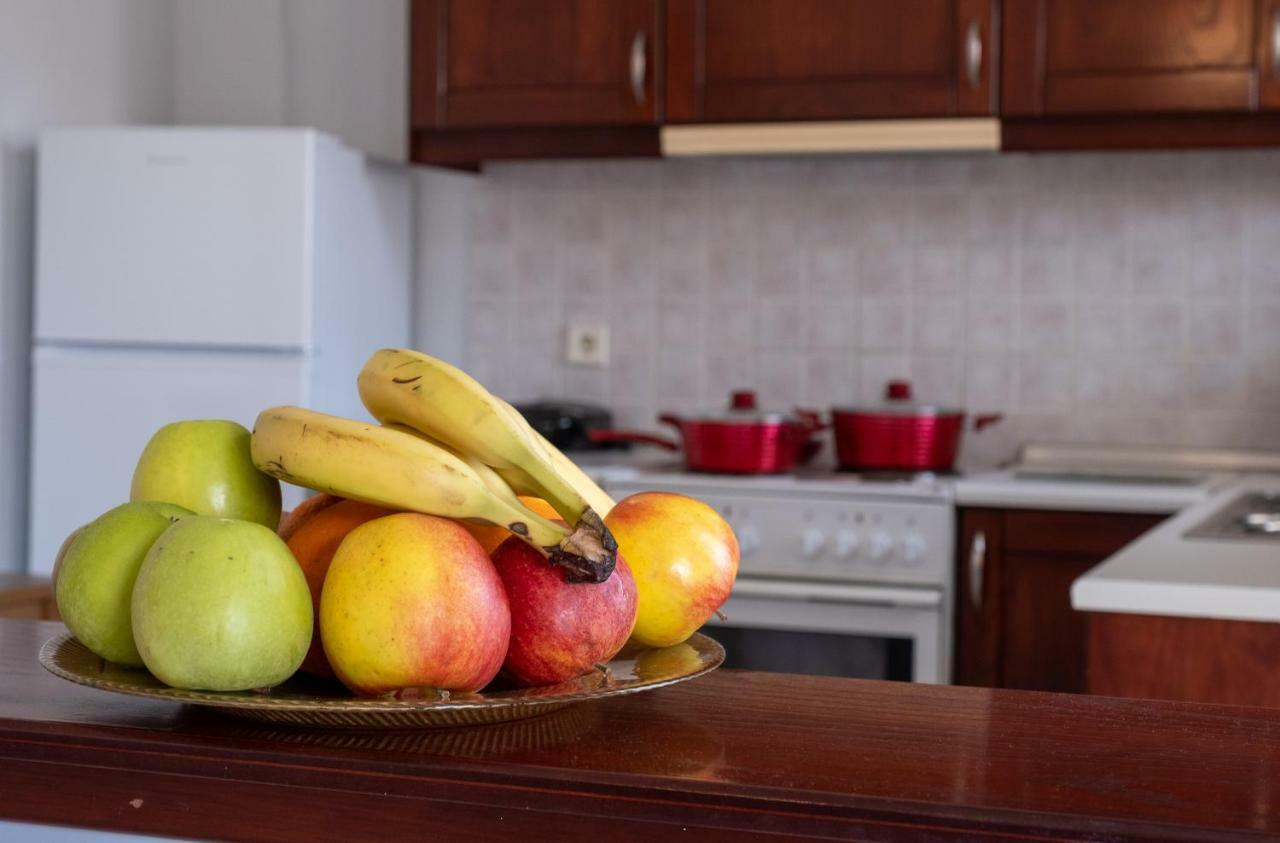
(189, 273)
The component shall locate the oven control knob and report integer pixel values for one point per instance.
(913, 548)
(748, 539)
(811, 543)
(846, 544)
(879, 547)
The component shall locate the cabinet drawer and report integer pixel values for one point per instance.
(1096, 534)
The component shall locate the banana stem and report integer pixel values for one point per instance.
(590, 553)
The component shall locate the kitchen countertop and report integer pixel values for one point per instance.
(1003, 489)
(1165, 573)
(991, 487)
(734, 756)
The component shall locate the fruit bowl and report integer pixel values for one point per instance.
(302, 701)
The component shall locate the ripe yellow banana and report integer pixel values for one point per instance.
(399, 386)
(487, 475)
(390, 468)
(595, 497)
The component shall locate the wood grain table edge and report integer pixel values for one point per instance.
(42, 769)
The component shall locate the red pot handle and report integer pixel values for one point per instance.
(811, 419)
(986, 420)
(635, 436)
(671, 419)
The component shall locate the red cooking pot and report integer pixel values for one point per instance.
(742, 440)
(901, 435)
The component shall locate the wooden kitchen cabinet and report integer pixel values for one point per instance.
(533, 78)
(1015, 627)
(1173, 73)
(26, 597)
(778, 60)
(1208, 660)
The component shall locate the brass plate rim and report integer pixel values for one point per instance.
(711, 656)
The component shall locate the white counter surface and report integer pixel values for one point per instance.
(1165, 573)
(1003, 489)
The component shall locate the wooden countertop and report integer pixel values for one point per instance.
(733, 756)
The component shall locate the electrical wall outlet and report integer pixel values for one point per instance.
(587, 344)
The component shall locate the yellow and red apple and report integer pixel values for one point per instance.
(412, 600)
(684, 557)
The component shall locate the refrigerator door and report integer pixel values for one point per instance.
(196, 237)
(94, 410)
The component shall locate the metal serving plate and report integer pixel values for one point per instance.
(306, 701)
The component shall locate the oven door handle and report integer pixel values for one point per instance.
(851, 595)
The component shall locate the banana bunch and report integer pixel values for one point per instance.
(448, 406)
(446, 447)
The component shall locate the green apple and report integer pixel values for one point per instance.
(96, 570)
(221, 605)
(62, 553)
(205, 466)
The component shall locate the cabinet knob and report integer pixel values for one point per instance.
(1275, 42)
(977, 569)
(973, 54)
(639, 67)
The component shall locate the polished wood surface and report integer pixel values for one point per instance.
(1063, 533)
(491, 63)
(1102, 57)
(1024, 633)
(1223, 131)
(1193, 659)
(735, 756)
(22, 596)
(1268, 57)
(470, 147)
(770, 60)
(1043, 638)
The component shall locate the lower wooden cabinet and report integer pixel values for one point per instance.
(27, 597)
(1191, 659)
(1015, 627)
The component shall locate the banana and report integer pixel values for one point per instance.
(487, 475)
(405, 387)
(595, 497)
(390, 468)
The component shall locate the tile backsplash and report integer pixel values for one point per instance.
(1099, 297)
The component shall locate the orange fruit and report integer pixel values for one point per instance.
(291, 521)
(314, 542)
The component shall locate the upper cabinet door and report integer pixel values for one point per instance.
(513, 63)
(764, 60)
(1107, 57)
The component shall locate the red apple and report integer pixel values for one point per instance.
(560, 629)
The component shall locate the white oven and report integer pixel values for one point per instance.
(839, 575)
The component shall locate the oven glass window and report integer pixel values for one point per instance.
(814, 653)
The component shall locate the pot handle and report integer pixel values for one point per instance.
(601, 436)
(811, 419)
(984, 420)
(671, 419)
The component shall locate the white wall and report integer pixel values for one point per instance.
(62, 62)
(337, 65)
